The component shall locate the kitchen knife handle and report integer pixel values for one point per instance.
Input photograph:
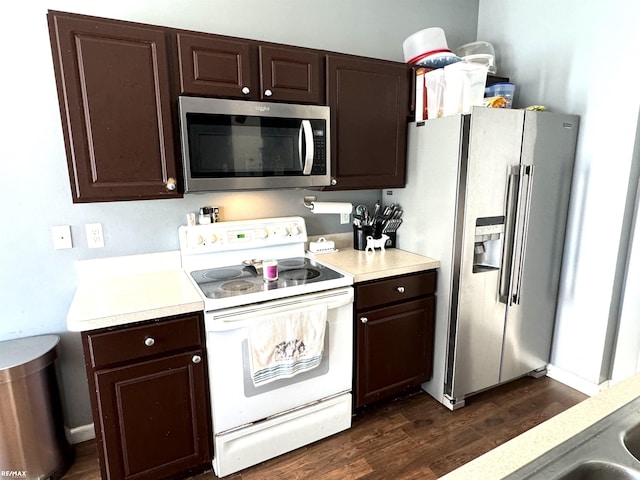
(305, 143)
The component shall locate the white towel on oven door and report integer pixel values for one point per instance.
(283, 345)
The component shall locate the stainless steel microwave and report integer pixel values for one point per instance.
(244, 145)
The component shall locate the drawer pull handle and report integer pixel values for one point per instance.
(400, 289)
(364, 319)
(196, 359)
(246, 90)
(149, 341)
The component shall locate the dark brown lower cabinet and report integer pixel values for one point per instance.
(149, 396)
(394, 324)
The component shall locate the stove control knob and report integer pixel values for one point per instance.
(263, 233)
(213, 238)
(294, 230)
(195, 240)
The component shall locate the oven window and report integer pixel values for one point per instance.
(243, 146)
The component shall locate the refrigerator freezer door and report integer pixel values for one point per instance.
(432, 219)
(478, 325)
(548, 144)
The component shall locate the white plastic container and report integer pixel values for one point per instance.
(434, 81)
(478, 52)
(464, 87)
(424, 43)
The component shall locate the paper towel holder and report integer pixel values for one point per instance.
(308, 201)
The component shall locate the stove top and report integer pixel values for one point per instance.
(235, 280)
(218, 258)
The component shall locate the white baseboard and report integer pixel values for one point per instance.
(80, 434)
(574, 381)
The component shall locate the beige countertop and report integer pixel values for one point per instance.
(364, 266)
(119, 300)
(122, 290)
(514, 454)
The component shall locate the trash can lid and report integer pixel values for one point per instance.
(23, 356)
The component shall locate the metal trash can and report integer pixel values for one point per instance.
(32, 440)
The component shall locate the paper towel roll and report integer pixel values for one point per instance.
(331, 207)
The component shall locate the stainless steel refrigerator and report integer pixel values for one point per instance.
(488, 195)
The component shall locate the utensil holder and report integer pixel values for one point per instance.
(360, 234)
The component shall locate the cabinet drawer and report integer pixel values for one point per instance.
(133, 343)
(395, 289)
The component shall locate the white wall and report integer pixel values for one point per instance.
(579, 57)
(36, 282)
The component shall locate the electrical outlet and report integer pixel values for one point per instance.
(61, 237)
(345, 218)
(95, 239)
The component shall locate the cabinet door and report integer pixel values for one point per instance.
(291, 74)
(153, 417)
(115, 99)
(394, 349)
(217, 66)
(370, 102)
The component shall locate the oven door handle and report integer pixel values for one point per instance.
(305, 143)
(238, 318)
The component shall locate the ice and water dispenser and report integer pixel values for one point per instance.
(487, 249)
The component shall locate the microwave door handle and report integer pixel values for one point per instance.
(305, 143)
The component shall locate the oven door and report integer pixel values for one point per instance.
(235, 401)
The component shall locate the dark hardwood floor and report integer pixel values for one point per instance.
(411, 437)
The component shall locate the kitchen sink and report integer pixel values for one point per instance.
(607, 450)
(597, 470)
(632, 441)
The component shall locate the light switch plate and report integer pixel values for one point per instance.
(61, 237)
(345, 218)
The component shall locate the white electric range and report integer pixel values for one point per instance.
(254, 421)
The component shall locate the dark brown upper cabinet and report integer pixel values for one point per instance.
(211, 65)
(114, 89)
(370, 104)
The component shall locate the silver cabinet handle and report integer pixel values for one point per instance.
(246, 90)
(364, 319)
(196, 359)
(149, 341)
(400, 289)
(171, 184)
(268, 93)
(334, 181)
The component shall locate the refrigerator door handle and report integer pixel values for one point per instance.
(506, 281)
(528, 172)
